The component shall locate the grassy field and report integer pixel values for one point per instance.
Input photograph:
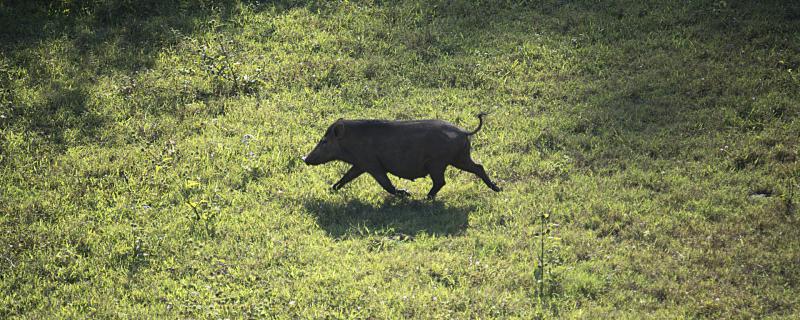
(150, 159)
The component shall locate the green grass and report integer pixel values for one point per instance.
(150, 159)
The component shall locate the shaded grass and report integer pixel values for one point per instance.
(396, 217)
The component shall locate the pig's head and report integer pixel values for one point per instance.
(329, 148)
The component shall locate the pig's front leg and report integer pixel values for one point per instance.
(383, 180)
(351, 174)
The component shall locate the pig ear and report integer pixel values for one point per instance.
(338, 130)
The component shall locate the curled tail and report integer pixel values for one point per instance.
(480, 118)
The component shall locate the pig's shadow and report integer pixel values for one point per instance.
(398, 218)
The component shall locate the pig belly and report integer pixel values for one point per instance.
(408, 167)
(409, 174)
(408, 158)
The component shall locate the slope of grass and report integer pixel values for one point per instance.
(150, 159)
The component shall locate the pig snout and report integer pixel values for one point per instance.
(310, 160)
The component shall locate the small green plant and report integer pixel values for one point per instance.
(788, 197)
(202, 211)
(540, 270)
(138, 255)
(220, 57)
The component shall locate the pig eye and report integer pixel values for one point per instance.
(324, 141)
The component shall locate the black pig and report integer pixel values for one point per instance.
(407, 149)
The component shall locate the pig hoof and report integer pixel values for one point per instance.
(335, 187)
(402, 193)
(496, 189)
(431, 197)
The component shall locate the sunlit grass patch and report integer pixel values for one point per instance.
(150, 160)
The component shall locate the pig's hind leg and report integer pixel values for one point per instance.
(437, 176)
(465, 162)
